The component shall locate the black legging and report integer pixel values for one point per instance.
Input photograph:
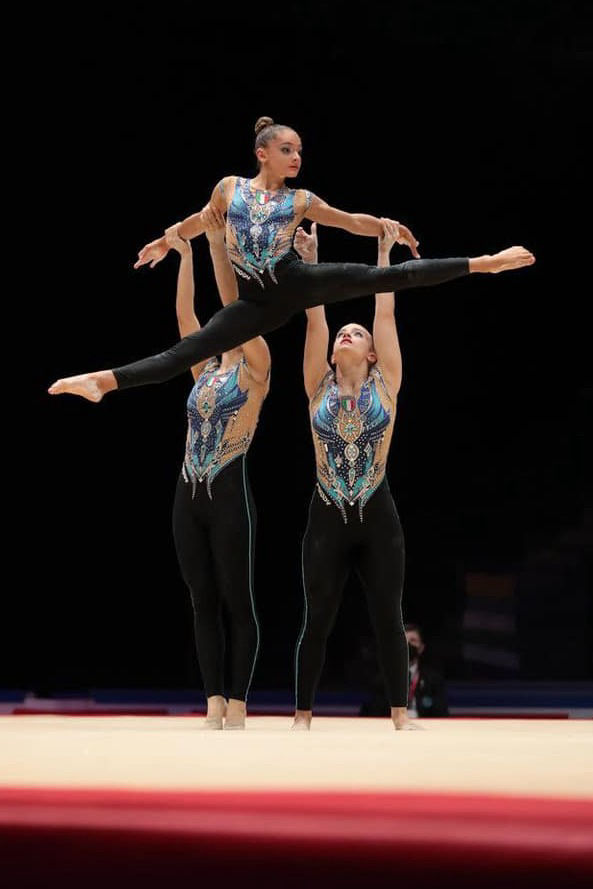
(214, 540)
(260, 309)
(374, 548)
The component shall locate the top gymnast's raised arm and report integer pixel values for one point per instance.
(359, 223)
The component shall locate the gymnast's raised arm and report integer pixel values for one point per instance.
(358, 223)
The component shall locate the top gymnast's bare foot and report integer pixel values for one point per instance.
(92, 386)
(511, 258)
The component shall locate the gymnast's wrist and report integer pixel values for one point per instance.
(215, 243)
(175, 231)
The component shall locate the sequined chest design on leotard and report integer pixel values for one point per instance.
(220, 421)
(351, 439)
(261, 226)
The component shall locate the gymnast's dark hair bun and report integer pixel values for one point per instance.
(261, 123)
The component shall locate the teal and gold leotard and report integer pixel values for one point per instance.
(351, 439)
(260, 225)
(222, 410)
(273, 282)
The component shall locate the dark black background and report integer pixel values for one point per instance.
(465, 120)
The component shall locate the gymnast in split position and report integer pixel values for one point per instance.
(213, 512)
(262, 215)
(353, 522)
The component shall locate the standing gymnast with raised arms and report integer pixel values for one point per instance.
(353, 522)
(213, 512)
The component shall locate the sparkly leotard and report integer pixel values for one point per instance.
(260, 224)
(223, 410)
(273, 282)
(351, 439)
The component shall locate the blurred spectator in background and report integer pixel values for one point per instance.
(427, 693)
